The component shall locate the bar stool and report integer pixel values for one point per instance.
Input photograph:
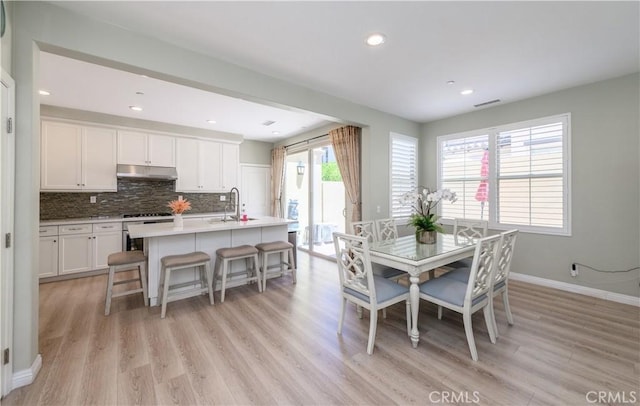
(199, 260)
(125, 261)
(276, 247)
(224, 258)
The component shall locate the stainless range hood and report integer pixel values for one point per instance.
(146, 172)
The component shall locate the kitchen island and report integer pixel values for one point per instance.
(205, 235)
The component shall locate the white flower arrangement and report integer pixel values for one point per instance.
(424, 203)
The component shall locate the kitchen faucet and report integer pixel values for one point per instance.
(236, 203)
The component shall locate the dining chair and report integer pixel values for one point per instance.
(501, 279)
(369, 230)
(387, 229)
(472, 295)
(359, 285)
(467, 231)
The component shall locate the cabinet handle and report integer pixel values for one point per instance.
(83, 184)
(55, 240)
(106, 227)
(89, 237)
(94, 237)
(75, 228)
(78, 184)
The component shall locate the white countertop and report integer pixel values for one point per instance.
(109, 219)
(192, 226)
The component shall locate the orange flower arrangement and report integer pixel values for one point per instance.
(179, 206)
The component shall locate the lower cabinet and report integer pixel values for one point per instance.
(48, 251)
(78, 247)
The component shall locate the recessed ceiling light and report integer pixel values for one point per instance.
(135, 108)
(451, 82)
(466, 92)
(275, 132)
(44, 92)
(375, 39)
(211, 121)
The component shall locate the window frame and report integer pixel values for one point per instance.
(492, 133)
(402, 218)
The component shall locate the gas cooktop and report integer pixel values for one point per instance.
(134, 215)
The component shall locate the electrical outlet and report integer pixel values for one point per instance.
(179, 197)
(574, 270)
(378, 209)
(92, 199)
(223, 198)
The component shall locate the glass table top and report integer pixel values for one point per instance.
(408, 248)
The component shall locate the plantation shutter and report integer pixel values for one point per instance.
(461, 171)
(530, 175)
(404, 172)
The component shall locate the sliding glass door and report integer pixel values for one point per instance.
(315, 197)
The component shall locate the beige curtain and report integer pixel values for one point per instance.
(346, 146)
(278, 156)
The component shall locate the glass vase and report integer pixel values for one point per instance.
(426, 237)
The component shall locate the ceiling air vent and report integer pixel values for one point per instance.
(487, 103)
(268, 123)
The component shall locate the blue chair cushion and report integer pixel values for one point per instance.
(448, 290)
(463, 263)
(385, 290)
(460, 274)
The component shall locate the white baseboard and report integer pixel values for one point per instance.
(583, 290)
(27, 376)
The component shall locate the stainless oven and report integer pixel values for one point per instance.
(133, 244)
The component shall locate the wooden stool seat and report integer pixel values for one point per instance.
(224, 258)
(282, 267)
(125, 261)
(168, 293)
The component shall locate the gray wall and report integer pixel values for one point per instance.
(42, 26)
(605, 199)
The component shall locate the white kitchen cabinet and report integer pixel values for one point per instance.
(85, 247)
(140, 148)
(107, 239)
(48, 251)
(230, 165)
(206, 166)
(76, 157)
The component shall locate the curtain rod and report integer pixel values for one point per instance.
(307, 141)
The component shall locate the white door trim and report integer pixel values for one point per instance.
(7, 188)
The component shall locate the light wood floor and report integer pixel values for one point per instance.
(281, 347)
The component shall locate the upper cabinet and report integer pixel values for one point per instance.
(77, 157)
(139, 148)
(206, 166)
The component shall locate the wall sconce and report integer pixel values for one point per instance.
(300, 168)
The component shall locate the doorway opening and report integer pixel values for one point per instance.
(315, 197)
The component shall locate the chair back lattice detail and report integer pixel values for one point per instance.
(387, 229)
(354, 263)
(466, 231)
(484, 261)
(366, 229)
(506, 254)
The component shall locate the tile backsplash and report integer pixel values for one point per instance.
(133, 196)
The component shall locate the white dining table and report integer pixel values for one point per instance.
(406, 254)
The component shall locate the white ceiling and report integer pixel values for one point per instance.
(503, 50)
